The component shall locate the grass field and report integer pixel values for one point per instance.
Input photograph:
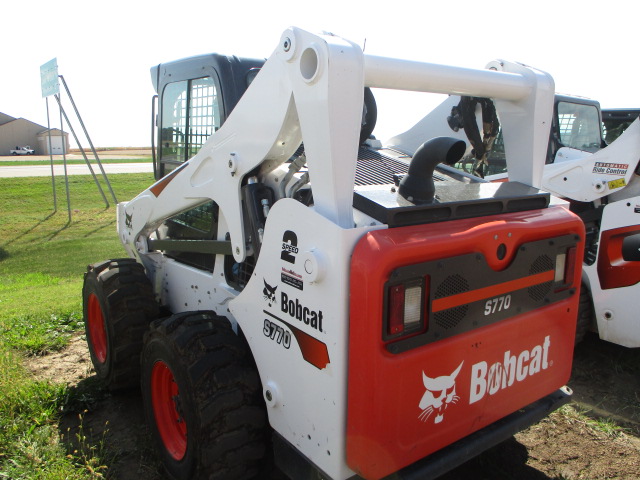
(28, 162)
(42, 260)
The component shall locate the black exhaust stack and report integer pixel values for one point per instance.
(417, 186)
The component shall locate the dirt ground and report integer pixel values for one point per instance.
(604, 443)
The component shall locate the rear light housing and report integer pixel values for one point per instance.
(406, 308)
(565, 266)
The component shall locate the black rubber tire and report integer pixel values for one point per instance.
(219, 398)
(369, 115)
(585, 314)
(124, 296)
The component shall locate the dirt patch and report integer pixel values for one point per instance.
(602, 443)
(117, 421)
(564, 445)
(67, 366)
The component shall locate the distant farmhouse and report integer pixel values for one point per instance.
(18, 132)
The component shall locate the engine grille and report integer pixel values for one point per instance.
(452, 285)
(376, 168)
(541, 264)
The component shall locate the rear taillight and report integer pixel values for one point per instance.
(395, 323)
(565, 266)
(406, 308)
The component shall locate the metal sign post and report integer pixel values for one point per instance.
(95, 154)
(51, 86)
(53, 178)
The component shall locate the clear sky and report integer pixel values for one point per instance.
(105, 49)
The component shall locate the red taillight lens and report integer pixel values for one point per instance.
(570, 266)
(395, 323)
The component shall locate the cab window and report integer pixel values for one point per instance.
(579, 126)
(190, 114)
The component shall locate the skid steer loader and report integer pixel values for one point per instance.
(600, 178)
(295, 296)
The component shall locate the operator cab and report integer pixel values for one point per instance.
(192, 104)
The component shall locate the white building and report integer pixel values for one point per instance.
(19, 132)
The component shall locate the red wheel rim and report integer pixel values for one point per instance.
(167, 410)
(97, 329)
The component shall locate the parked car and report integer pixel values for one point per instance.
(26, 150)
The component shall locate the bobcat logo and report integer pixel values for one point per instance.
(269, 292)
(128, 220)
(441, 392)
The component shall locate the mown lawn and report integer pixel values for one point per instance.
(29, 161)
(42, 260)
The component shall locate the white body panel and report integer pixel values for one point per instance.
(307, 405)
(593, 176)
(432, 125)
(616, 309)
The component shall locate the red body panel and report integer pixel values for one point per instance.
(389, 426)
(613, 270)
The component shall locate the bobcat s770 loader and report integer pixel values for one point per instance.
(295, 295)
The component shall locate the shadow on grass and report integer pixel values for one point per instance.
(505, 461)
(29, 230)
(86, 235)
(96, 230)
(606, 380)
(112, 428)
(3, 254)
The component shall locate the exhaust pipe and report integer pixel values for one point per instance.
(417, 185)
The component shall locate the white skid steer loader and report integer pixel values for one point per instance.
(293, 294)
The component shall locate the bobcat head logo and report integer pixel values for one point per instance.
(441, 392)
(269, 292)
(128, 220)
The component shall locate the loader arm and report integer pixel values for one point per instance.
(295, 95)
(311, 88)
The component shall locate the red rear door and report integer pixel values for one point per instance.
(455, 325)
